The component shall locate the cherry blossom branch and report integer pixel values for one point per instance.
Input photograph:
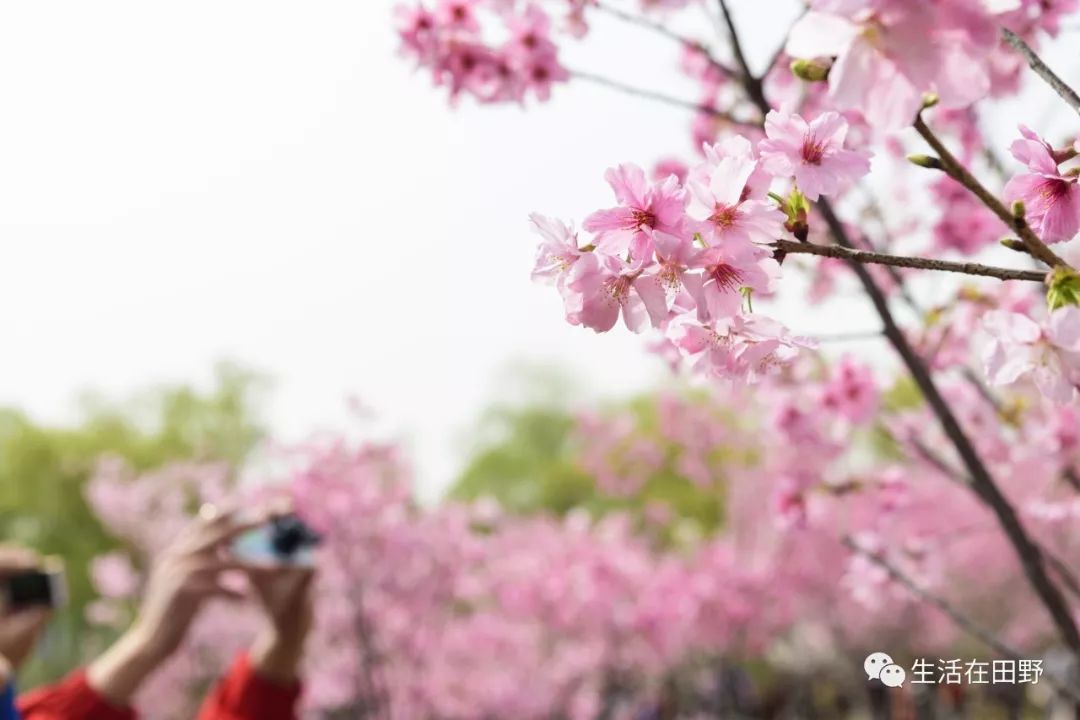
(962, 621)
(982, 483)
(1042, 69)
(662, 29)
(850, 337)
(956, 170)
(875, 258)
(1031, 558)
(1063, 571)
(660, 97)
(752, 84)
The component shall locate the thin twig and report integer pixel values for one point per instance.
(937, 461)
(849, 337)
(1043, 70)
(953, 613)
(660, 97)
(667, 32)
(792, 247)
(752, 84)
(1064, 572)
(956, 170)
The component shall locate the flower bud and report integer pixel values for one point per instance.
(810, 70)
(927, 161)
(1064, 288)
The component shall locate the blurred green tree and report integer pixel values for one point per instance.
(527, 450)
(43, 470)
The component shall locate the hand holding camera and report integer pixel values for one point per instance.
(29, 590)
(272, 550)
(280, 573)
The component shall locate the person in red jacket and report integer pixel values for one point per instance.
(263, 684)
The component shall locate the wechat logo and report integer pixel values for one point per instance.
(879, 666)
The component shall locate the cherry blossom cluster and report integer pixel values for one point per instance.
(689, 257)
(958, 478)
(450, 41)
(1049, 193)
(450, 610)
(884, 55)
(446, 612)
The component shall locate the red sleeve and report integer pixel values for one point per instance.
(243, 695)
(70, 699)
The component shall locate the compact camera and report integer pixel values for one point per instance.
(44, 586)
(285, 539)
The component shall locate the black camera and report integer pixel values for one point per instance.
(45, 586)
(289, 536)
(284, 539)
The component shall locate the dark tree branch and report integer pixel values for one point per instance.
(982, 483)
(862, 256)
(751, 83)
(956, 170)
(1043, 70)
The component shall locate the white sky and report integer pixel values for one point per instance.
(267, 182)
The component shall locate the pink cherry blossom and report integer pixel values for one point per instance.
(722, 197)
(813, 153)
(675, 256)
(1051, 198)
(744, 346)
(457, 15)
(965, 226)
(601, 288)
(454, 43)
(1050, 355)
(113, 576)
(557, 252)
(851, 392)
(889, 52)
(643, 207)
(729, 268)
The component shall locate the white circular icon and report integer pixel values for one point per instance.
(874, 663)
(893, 676)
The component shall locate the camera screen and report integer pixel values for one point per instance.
(32, 588)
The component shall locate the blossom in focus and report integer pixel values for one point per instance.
(813, 153)
(600, 288)
(729, 269)
(1051, 198)
(728, 200)
(675, 256)
(643, 207)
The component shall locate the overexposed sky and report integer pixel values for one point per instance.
(267, 182)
